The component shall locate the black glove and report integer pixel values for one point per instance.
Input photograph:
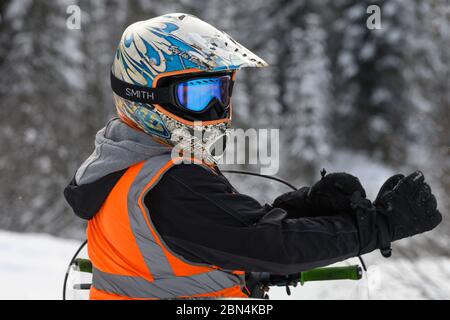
(404, 207)
(409, 207)
(388, 185)
(295, 203)
(333, 193)
(329, 196)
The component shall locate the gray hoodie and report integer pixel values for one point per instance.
(117, 147)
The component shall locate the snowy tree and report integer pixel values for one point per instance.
(429, 89)
(369, 86)
(308, 98)
(35, 92)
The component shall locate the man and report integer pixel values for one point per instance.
(158, 229)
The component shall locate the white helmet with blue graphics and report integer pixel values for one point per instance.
(174, 70)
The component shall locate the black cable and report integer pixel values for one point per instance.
(363, 264)
(70, 265)
(250, 173)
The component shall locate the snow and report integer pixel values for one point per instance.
(32, 266)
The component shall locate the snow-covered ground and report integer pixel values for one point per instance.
(32, 266)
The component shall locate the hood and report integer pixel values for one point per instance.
(117, 147)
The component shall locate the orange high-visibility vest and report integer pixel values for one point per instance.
(130, 259)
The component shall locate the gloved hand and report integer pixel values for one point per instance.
(329, 196)
(295, 203)
(408, 206)
(333, 193)
(404, 207)
(388, 185)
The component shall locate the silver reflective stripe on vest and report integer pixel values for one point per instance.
(174, 287)
(153, 254)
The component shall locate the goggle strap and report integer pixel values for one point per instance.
(140, 94)
(231, 87)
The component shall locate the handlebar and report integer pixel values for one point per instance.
(258, 283)
(353, 272)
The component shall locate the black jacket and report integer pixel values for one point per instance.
(203, 218)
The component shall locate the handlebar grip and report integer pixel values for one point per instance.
(353, 272)
(83, 265)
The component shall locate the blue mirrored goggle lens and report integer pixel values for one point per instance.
(196, 94)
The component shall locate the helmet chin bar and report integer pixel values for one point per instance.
(206, 142)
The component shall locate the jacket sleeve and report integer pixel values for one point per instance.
(202, 218)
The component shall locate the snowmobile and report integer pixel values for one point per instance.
(78, 277)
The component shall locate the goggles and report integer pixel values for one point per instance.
(195, 95)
